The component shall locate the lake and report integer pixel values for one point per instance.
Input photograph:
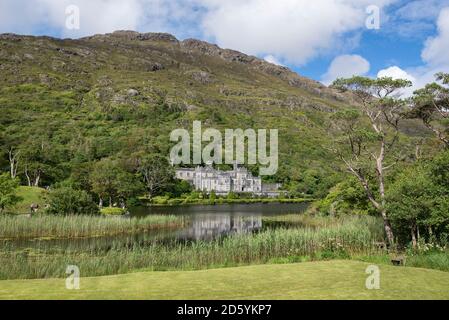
(200, 223)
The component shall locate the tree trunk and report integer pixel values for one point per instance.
(28, 177)
(387, 227)
(414, 242)
(380, 174)
(36, 181)
(13, 163)
(110, 202)
(100, 203)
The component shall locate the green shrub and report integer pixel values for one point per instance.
(112, 211)
(160, 200)
(68, 201)
(8, 192)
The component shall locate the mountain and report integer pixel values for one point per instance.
(69, 102)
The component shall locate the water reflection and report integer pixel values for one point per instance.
(208, 227)
(200, 223)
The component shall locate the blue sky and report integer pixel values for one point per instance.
(321, 39)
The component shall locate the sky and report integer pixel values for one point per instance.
(320, 39)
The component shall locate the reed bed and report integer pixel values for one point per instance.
(46, 226)
(351, 236)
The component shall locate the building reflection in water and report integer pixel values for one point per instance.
(208, 227)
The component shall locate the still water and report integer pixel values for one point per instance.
(209, 222)
(201, 222)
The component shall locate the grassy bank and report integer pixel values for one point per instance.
(341, 239)
(430, 260)
(314, 280)
(46, 226)
(28, 195)
(161, 201)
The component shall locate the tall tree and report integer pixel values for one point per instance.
(111, 182)
(103, 179)
(431, 105)
(127, 185)
(35, 160)
(156, 172)
(369, 153)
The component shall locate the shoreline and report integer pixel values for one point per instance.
(218, 202)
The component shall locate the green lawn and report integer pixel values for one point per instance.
(29, 196)
(311, 280)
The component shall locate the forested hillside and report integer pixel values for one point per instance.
(67, 105)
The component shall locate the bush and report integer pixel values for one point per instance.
(347, 197)
(112, 211)
(160, 200)
(68, 201)
(8, 190)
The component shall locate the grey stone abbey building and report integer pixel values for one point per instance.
(238, 180)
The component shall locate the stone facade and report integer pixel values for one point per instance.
(238, 180)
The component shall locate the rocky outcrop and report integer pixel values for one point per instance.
(202, 77)
(133, 36)
(283, 73)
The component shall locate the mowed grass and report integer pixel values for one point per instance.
(310, 280)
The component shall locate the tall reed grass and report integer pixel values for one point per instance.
(46, 226)
(350, 236)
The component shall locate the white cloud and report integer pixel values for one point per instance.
(422, 9)
(346, 66)
(436, 51)
(397, 73)
(272, 59)
(292, 30)
(99, 16)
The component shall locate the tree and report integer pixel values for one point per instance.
(35, 163)
(410, 199)
(431, 105)
(109, 181)
(8, 189)
(177, 188)
(69, 201)
(419, 201)
(103, 179)
(156, 172)
(127, 185)
(369, 153)
(13, 157)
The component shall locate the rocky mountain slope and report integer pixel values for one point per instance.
(120, 94)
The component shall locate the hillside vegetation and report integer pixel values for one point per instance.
(67, 104)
